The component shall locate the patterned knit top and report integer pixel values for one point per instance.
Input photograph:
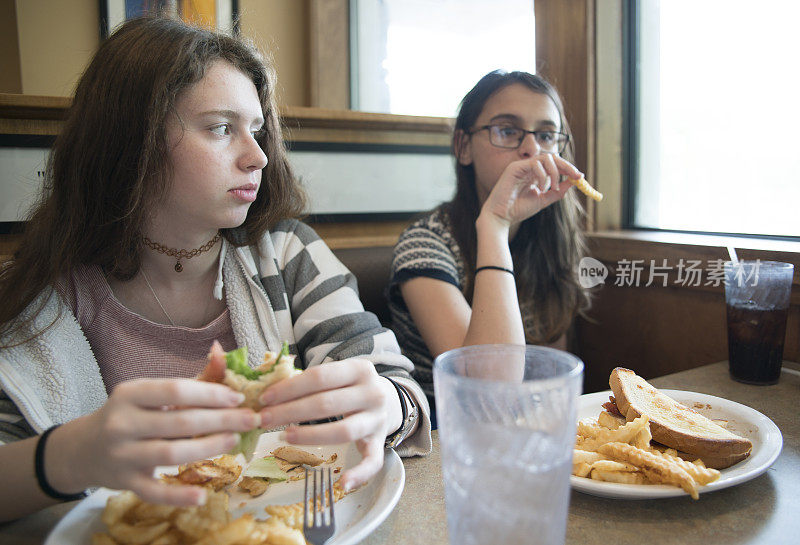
(426, 248)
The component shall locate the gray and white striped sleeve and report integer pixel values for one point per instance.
(330, 323)
(13, 425)
(329, 320)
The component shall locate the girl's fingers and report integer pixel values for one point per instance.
(156, 393)
(539, 175)
(170, 452)
(321, 405)
(372, 451)
(351, 428)
(215, 368)
(330, 376)
(549, 165)
(191, 422)
(153, 491)
(566, 168)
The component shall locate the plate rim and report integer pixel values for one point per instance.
(89, 509)
(626, 491)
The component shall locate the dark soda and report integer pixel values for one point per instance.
(755, 343)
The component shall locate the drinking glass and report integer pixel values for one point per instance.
(757, 295)
(506, 418)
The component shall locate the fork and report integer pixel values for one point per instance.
(315, 529)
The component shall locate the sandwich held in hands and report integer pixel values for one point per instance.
(251, 382)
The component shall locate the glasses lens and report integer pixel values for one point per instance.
(504, 136)
(549, 140)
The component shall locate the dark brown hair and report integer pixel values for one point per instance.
(547, 247)
(110, 162)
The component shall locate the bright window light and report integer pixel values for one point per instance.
(420, 57)
(718, 117)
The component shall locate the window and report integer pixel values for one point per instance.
(420, 57)
(717, 115)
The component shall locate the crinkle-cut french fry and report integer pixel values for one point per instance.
(102, 539)
(642, 439)
(608, 420)
(588, 190)
(581, 469)
(622, 477)
(598, 435)
(612, 465)
(139, 534)
(587, 456)
(117, 506)
(657, 469)
(701, 474)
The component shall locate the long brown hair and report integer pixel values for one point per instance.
(110, 162)
(547, 247)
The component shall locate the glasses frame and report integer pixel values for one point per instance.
(525, 132)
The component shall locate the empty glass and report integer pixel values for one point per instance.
(506, 418)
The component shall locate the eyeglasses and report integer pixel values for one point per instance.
(506, 136)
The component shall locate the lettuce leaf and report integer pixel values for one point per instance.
(266, 468)
(236, 360)
(247, 443)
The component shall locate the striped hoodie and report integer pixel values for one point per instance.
(288, 287)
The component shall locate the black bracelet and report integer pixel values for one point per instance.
(38, 463)
(495, 268)
(402, 407)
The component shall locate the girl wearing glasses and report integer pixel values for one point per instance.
(497, 264)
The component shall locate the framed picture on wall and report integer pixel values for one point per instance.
(217, 14)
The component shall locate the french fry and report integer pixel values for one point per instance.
(700, 473)
(581, 469)
(598, 435)
(585, 456)
(612, 465)
(138, 534)
(657, 469)
(588, 190)
(622, 477)
(608, 420)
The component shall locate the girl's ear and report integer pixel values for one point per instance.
(463, 151)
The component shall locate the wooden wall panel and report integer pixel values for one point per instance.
(658, 330)
(329, 67)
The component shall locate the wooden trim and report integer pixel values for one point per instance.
(30, 114)
(329, 70)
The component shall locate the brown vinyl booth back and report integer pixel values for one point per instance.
(372, 268)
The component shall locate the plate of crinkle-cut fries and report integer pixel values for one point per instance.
(249, 503)
(616, 457)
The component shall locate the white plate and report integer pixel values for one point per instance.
(742, 420)
(357, 514)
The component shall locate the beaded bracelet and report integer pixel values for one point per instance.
(495, 268)
(41, 478)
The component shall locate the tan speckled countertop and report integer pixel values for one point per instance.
(765, 510)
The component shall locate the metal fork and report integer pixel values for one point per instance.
(315, 529)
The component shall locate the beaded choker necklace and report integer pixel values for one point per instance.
(181, 254)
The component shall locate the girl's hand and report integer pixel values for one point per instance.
(148, 423)
(350, 388)
(528, 186)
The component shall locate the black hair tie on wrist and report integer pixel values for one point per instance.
(494, 268)
(40, 476)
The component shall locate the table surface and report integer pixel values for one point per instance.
(763, 510)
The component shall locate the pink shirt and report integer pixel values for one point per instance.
(128, 346)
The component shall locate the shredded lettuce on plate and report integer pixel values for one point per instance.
(266, 468)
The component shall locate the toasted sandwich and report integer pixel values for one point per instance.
(676, 425)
